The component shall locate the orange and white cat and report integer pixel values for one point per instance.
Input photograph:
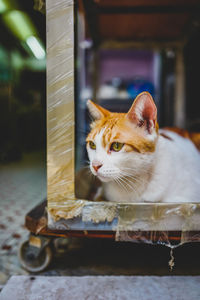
(138, 163)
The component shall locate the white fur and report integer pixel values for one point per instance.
(139, 109)
(109, 168)
(94, 112)
(170, 174)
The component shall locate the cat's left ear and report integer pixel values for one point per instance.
(143, 112)
(97, 112)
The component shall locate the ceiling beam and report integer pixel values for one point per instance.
(175, 9)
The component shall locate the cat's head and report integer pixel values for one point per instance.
(122, 144)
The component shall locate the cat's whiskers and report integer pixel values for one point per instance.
(121, 183)
(117, 180)
(125, 182)
(141, 170)
(135, 182)
(86, 167)
(127, 187)
(130, 174)
(131, 184)
(134, 178)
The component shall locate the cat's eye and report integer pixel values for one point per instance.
(116, 146)
(92, 145)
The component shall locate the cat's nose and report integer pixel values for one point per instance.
(96, 166)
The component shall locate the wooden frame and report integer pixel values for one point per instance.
(60, 100)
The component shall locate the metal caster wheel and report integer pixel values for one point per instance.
(34, 259)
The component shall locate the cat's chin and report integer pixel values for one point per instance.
(104, 178)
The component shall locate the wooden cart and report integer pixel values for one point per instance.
(109, 24)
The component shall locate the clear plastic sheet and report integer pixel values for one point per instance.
(170, 224)
(167, 224)
(60, 100)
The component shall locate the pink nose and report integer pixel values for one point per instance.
(97, 166)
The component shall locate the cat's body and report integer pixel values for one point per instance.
(138, 163)
(174, 177)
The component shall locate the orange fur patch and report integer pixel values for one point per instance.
(117, 128)
(193, 136)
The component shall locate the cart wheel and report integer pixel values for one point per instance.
(34, 263)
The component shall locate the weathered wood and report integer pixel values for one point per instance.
(36, 223)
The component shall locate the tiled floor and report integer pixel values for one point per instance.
(22, 186)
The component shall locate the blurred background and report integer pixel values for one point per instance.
(22, 79)
(22, 123)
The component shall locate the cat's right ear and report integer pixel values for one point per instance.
(96, 111)
(143, 112)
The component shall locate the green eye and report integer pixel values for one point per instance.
(116, 146)
(92, 145)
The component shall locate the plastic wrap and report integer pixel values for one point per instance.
(60, 101)
(150, 223)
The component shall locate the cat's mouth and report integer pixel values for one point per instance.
(104, 178)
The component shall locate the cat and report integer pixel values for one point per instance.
(136, 161)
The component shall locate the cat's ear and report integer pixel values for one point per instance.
(97, 112)
(143, 112)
